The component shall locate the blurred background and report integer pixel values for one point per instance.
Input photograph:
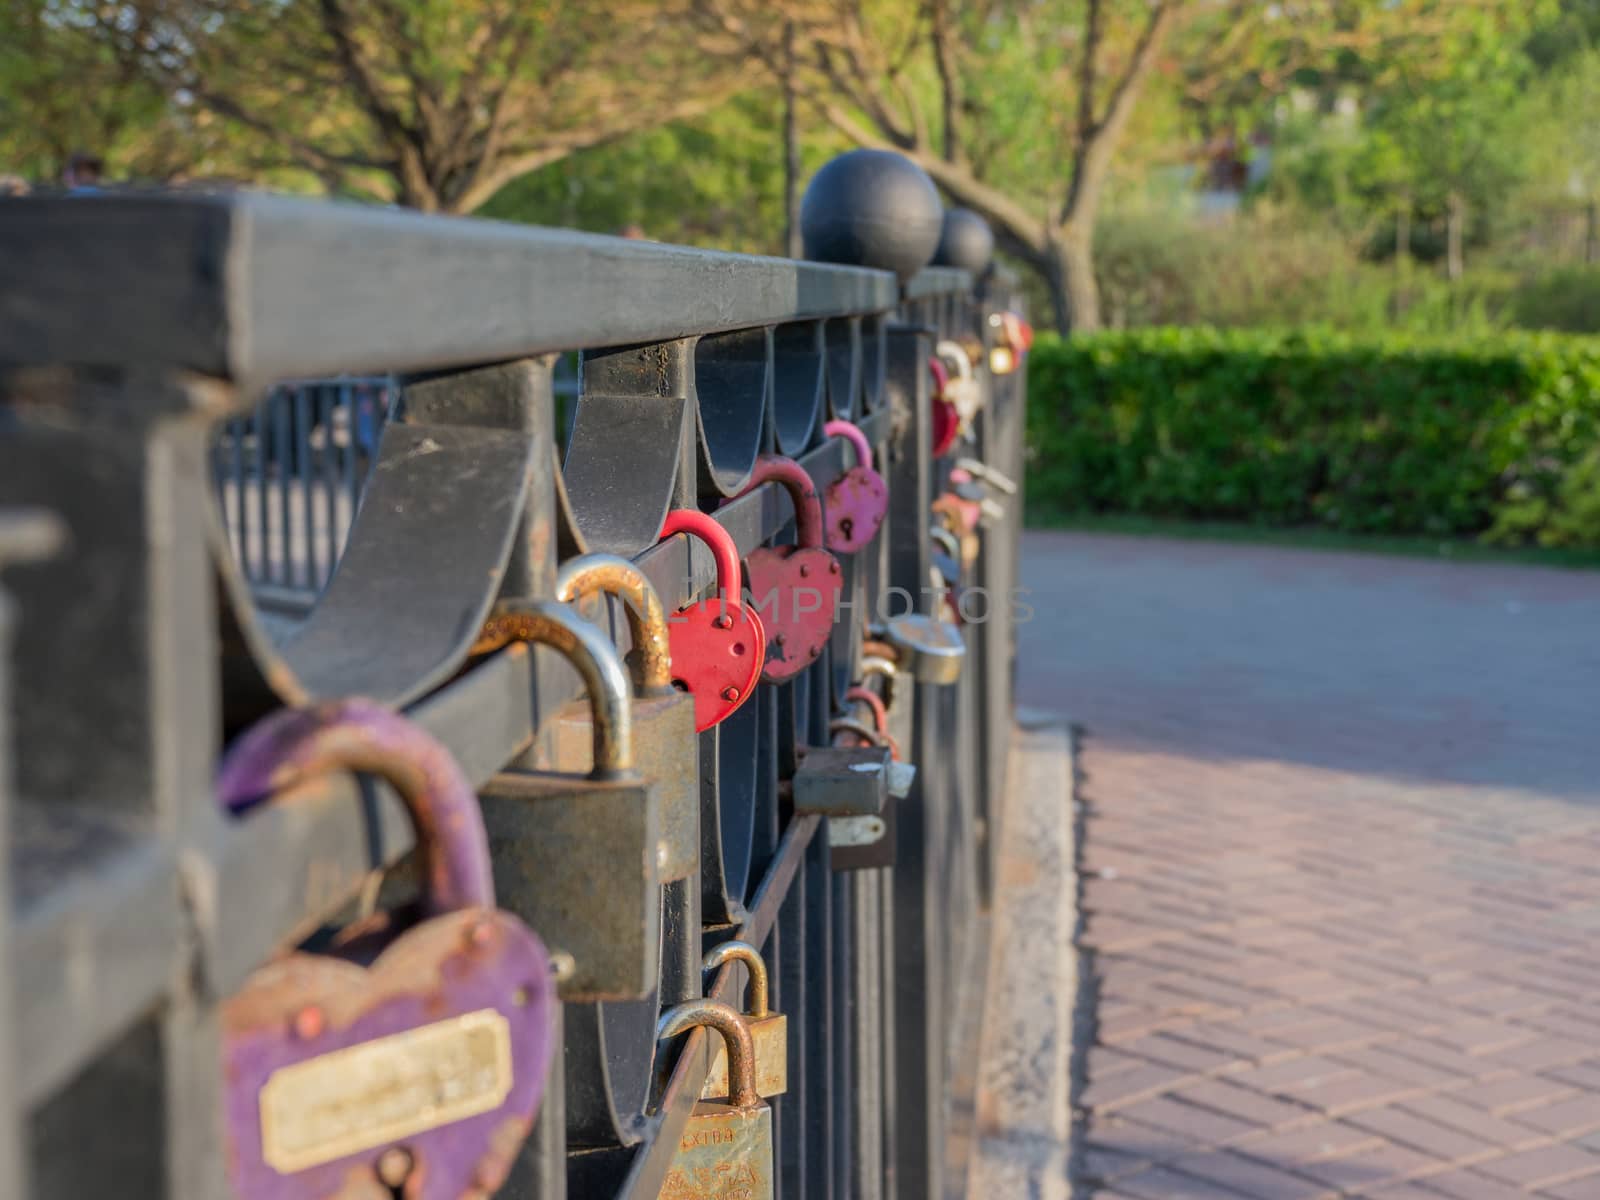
(1357, 173)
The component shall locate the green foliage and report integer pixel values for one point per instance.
(715, 182)
(1566, 299)
(1491, 437)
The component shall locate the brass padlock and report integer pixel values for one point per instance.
(725, 1150)
(665, 749)
(559, 840)
(769, 1031)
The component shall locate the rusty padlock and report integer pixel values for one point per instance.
(769, 1031)
(725, 1150)
(858, 500)
(945, 422)
(411, 1060)
(718, 645)
(860, 694)
(796, 587)
(665, 751)
(560, 839)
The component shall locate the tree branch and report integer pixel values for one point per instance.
(1093, 159)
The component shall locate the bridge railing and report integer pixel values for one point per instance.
(138, 337)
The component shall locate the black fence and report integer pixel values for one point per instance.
(157, 510)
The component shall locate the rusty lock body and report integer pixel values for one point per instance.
(857, 501)
(797, 588)
(725, 1150)
(664, 747)
(718, 645)
(411, 1060)
(769, 1031)
(579, 856)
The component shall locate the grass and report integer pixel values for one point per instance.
(1452, 550)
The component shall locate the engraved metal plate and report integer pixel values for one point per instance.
(385, 1089)
(724, 1154)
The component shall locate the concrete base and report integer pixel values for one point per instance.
(1023, 1126)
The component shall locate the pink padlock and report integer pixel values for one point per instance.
(857, 501)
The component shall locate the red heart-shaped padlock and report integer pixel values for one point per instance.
(796, 588)
(420, 1074)
(858, 500)
(946, 421)
(718, 645)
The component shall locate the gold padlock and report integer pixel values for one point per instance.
(725, 1151)
(769, 1031)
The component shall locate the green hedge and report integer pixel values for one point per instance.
(1497, 438)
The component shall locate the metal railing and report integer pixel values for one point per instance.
(136, 907)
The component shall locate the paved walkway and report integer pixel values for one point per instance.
(1342, 869)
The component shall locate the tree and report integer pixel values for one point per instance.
(1020, 108)
(1015, 109)
(432, 104)
(62, 89)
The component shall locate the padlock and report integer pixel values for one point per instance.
(967, 486)
(984, 473)
(718, 646)
(560, 840)
(725, 1150)
(796, 587)
(665, 751)
(932, 650)
(945, 421)
(858, 500)
(963, 391)
(769, 1031)
(411, 1059)
(1013, 338)
(866, 843)
(961, 518)
(860, 694)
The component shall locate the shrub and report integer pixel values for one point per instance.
(1494, 436)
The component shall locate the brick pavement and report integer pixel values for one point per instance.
(1341, 869)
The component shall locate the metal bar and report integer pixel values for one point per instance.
(332, 401)
(303, 398)
(650, 1164)
(261, 571)
(238, 525)
(279, 407)
(315, 288)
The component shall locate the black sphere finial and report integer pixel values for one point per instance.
(967, 241)
(872, 208)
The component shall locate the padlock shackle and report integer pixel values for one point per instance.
(955, 352)
(760, 994)
(775, 468)
(647, 619)
(878, 664)
(872, 700)
(295, 746)
(851, 432)
(940, 373)
(735, 1033)
(694, 523)
(947, 541)
(593, 655)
